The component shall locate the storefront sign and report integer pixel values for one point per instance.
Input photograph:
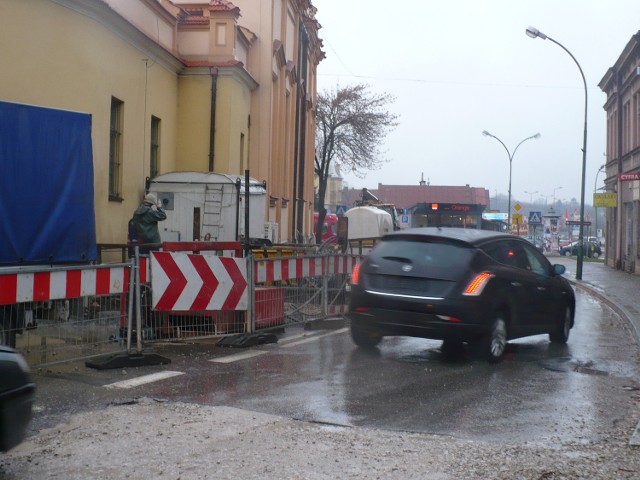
(627, 177)
(605, 199)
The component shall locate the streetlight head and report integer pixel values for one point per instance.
(537, 135)
(486, 134)
(534, 32)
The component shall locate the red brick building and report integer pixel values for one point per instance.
(431, 205)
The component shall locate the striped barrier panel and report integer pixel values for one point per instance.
(281, 269)
(56, 283)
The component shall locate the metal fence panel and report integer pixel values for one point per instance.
(63, 314)
(63, 330)
(299, 289)
(56, 314)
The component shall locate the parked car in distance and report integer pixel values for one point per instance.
(17, 395)
(591, 249)
(470, 286)
(563, 241)
(536, 242)
(594, 239)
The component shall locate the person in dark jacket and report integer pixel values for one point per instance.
(144, 224)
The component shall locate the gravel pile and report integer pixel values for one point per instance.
(150, 439)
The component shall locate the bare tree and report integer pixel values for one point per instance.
(352, 123)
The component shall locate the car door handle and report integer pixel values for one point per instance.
(516, 284)
(542, 289)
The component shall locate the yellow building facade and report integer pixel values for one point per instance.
(200, 85)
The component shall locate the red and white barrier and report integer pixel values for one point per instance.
(214, 282)
(279, 269)
(61, 283)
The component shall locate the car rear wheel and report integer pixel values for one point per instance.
(561, 333)
(565, 253)
(596, 254)
(493, 345)
(363, 337)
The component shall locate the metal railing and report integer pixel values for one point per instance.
(60, 314)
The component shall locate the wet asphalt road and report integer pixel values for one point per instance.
(540, 393)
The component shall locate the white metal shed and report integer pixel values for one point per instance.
(208, 206)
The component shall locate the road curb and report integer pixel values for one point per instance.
(626, 316)
(619, 309)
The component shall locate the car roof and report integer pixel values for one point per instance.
(471, 236)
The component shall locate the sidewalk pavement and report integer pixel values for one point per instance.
(616, 288)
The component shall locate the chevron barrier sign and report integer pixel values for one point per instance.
(186, 282)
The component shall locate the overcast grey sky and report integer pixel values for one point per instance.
(458, 67)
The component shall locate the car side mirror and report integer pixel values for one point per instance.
(559, 269)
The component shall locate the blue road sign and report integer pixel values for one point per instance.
(535, 218)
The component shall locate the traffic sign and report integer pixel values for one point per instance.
(340, 210)
(188, 282)
(517, 207)
(535, 218)
(516, 219)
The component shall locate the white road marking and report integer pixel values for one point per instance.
(135, 382)
(305, 339)
(314, 338)
(294, 337)
(238, 356)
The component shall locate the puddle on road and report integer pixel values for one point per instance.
(590, 367)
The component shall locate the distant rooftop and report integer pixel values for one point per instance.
(406, 196)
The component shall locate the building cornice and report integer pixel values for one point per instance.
(239, 73)
(104, 14)
(233, 69)
(627, 60)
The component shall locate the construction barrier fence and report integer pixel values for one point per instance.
(60, 314)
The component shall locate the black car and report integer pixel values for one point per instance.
(460, 286)
(17, 394)
(591, 249)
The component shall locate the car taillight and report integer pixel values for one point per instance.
(477, 284)
(355, 275)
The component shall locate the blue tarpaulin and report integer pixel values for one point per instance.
(46, 186)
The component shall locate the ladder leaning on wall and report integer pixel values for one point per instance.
(212, 215)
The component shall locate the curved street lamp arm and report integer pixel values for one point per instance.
(501, 142)
(584, 80)
(537, 135)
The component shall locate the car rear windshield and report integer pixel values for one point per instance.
(426, 251)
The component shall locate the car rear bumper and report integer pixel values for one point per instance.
(414, 324)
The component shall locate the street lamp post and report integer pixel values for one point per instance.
(554, 193)
(511, 155)
(534, 33)
(531, 195)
